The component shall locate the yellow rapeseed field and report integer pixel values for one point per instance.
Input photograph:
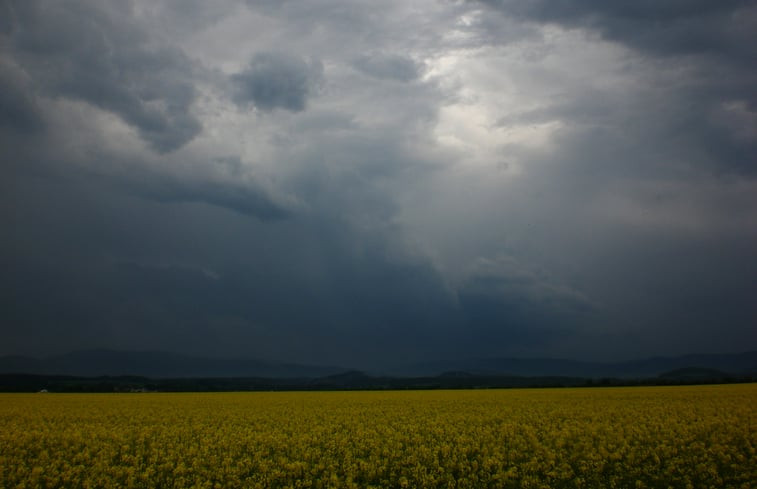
(655, 437)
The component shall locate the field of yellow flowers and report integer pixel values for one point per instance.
(655, 437)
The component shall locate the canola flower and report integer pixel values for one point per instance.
(651, 437)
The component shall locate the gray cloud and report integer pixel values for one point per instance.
(291, 291)
(18, 108)
(663, 28)
(243, 199)
(277, 80)
(506, 302)
(385, 66)
(242, 194)
(453, 180)
(703, 80)
(94, 52)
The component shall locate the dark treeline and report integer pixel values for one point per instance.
(345, 381)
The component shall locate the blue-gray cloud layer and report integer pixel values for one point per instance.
(276, 80)
(94, 53)
(667, 28)
(391, 67)
(329, 183)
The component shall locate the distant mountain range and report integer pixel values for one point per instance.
(163, 365)
(737, 364)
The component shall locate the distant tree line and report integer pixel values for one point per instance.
(346, 381)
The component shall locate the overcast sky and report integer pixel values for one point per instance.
(373, 183)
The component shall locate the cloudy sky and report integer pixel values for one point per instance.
(370, 183)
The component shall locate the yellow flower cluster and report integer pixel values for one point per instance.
(656, 437)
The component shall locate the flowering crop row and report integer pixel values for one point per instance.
(657, 437)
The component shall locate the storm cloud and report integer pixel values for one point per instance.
(275, 80)
(90, 52)
(392, 67)
(327, 183)
(661, 28)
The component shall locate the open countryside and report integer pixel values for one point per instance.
(657, 437)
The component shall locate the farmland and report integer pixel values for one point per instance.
(693, 436)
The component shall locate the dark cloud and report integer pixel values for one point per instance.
(141, 275)
(277, 80)
(385, 66)
(94, 52)
(19, 111)
(463, 179)
(507, 303)
(709, 127)
(242, 194)
(243, 199)
(662, 28)
(704, 60)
